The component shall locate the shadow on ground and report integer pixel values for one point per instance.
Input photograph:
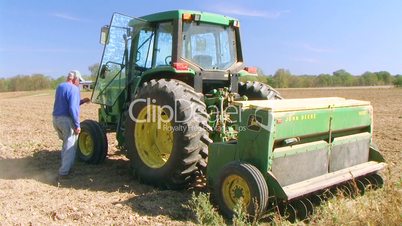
(163, 202)
(111, 176)
(42, 166)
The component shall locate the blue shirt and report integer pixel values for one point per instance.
(67, 102)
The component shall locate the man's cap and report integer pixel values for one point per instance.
(75, 74)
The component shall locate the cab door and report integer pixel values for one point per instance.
(113, 71)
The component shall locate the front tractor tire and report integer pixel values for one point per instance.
(241, 181)
(258, 91)
(92, 143)
(166, 133)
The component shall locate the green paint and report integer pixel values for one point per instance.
(315, 127)
(178, 14)
(219, 155)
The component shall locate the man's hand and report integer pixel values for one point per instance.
(85, 100)
(77, 130)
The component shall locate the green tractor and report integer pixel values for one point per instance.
(169, 87)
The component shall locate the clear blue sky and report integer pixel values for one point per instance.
(306, 37)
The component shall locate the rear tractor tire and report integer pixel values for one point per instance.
(258, 91)
(238, 181)
(92, 143)
(166, 132)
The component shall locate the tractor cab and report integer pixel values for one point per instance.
(200, 49)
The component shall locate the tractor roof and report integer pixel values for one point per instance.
(177, 14)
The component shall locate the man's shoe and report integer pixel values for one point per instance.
(61, 178)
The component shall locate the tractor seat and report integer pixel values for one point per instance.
(204, 61)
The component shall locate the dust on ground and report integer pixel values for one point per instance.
(106, 193)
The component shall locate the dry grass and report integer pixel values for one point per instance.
(377, 207)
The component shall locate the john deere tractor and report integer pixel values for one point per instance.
(169, 87)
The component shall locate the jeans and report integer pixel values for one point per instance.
(65, 129)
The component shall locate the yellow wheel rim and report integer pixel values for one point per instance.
(235, 187)
(86, 143)
(153, 134)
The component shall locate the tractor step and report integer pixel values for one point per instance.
(321, 182)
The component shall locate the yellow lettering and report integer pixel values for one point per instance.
(293, 118)
(363, 113)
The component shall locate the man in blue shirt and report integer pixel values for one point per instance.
(66, 119)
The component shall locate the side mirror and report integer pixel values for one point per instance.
(104, 71)
(104, 36)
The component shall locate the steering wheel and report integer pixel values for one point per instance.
(167, 61)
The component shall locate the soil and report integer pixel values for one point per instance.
(106, 193)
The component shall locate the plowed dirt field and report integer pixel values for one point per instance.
(106, 193)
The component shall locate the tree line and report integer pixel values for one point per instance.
(284, 79)
(281, 79)
(27, 83)
(39, 81)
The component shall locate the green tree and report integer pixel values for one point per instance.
(398, 81)
(307, 80)
(282, 78)
(14, 83)
(369, 79)
(39, 81)
(384, 77)
(294, 82)
(57, 81)
(270, 81)
(27, 83)
(94, 71)
(3, 85)
(323, 80)
(342, 78)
